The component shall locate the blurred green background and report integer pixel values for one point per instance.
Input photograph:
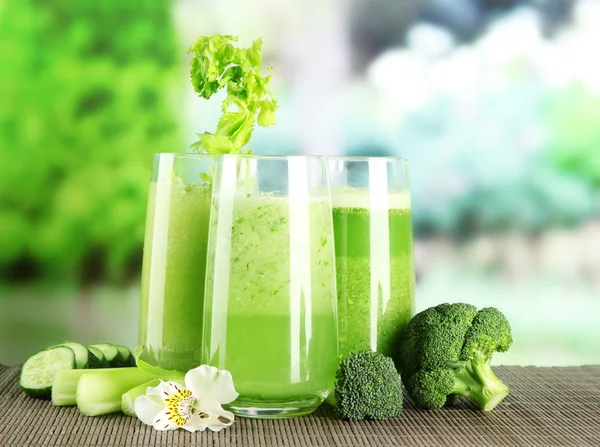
(496, 103)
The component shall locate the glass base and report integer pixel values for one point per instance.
(266, 409)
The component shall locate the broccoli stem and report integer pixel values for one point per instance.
(476, 381)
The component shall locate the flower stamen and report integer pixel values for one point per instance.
(179, 407)
(224, 420)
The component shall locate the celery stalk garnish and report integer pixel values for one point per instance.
(217, 63)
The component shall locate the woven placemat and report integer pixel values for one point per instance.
(546, 407)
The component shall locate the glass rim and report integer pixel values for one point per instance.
(273, 156)
(180, 155)
(363, 158)
(215, 156)
(390, 158)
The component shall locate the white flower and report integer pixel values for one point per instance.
(195, 406)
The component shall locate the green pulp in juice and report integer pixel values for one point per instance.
(375, 288)
(272, 308)
(173, 274)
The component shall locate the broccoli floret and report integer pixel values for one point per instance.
(446, 351)
(368, 386)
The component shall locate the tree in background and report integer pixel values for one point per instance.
(573, 123)
(87, 97)
(379, 25)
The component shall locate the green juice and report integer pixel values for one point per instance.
(173, 274)
(271, 305)
(375, 274)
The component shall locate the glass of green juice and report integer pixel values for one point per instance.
(374, 251)
(270, 303)
(174, 263)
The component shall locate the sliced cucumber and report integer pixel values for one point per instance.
(126, 355)
(111, 354)
(99, 359)
(38, 371)
(82, 355)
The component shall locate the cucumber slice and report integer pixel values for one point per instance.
(99, 359)
(82, 355)
(38, 371)
(111, 354)
(126, 355)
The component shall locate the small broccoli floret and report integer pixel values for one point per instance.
(368, 386)
(446, 353)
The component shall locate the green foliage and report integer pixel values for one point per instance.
(216, 63)
(498, 160)
(446, 352)
(573, 125)
(368, 386)
(87, 98)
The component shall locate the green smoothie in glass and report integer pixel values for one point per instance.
(173, 274)
(174, 265)
(274, 341)
(374, 269)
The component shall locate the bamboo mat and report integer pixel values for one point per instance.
(546, 407)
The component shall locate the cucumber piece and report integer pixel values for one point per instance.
(99, 359)
(111, 354)
(82, 355)
(38, 371)
(101, 392)
(126, 355)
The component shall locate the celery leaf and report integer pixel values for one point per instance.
(216, 63)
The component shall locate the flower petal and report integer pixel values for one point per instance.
(164, 390)
(194, 424)
(147, 407)
(216, 422)
(162, 422)
(214, 416)
(211, 384)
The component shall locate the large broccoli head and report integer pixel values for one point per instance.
(368, 386)
(446, 353)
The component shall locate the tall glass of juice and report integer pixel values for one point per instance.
(270, 309)
(174, 264)
(374, 251)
